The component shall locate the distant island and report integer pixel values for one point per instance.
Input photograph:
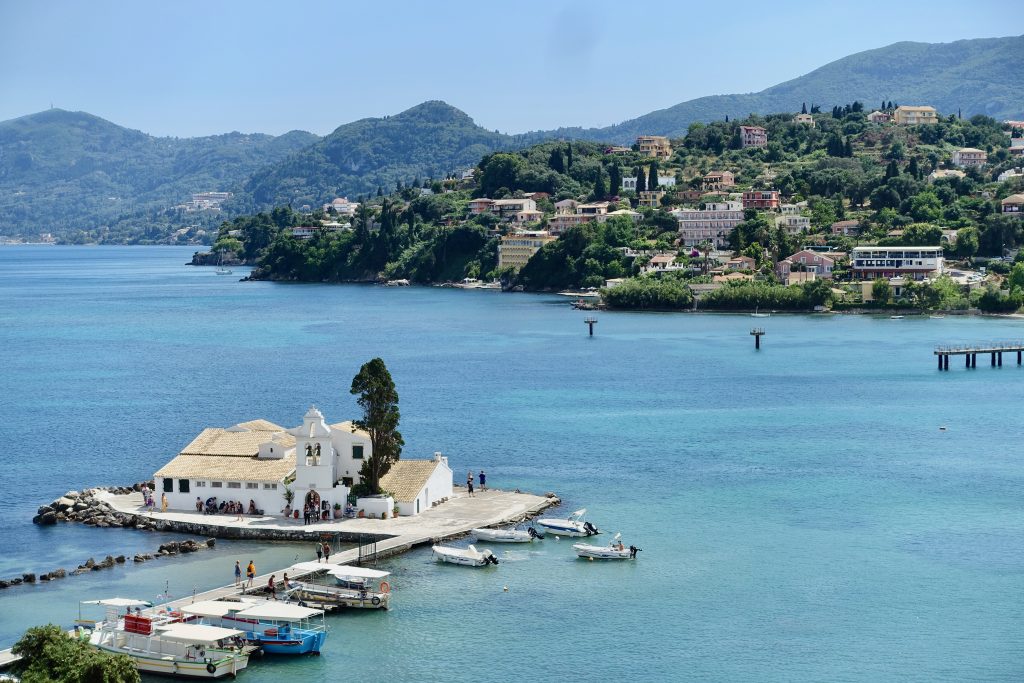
(897, 205)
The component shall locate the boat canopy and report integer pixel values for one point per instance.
(118, 602)
(197, 634)
(215, 608)
(340, 571)
(279, 612)
(578, 513)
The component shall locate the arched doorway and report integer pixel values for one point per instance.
(313, 501)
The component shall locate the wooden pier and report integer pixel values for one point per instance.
(970, 353)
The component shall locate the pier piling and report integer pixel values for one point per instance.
(590, 321)
(757, 332)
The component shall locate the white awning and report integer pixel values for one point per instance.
(196, 634)
(308, 567)
(279, 611)
(347, 572)
(215, 608)
(118, 602)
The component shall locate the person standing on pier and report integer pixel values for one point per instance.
(469, 482)
(327, 552)
(163, 502)
(271, 588)
(483, 481)
(250, 573)
(319, 552)
(238, 573)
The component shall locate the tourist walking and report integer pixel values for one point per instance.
(319, 552)
(199, 504)
(327, 552)
(271, 588)
(250, 572)
(238, 573)
(483, 481)
(469, 482)
(163, 502)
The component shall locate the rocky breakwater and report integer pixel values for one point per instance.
(87, 508)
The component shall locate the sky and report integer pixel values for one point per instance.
(186, 68)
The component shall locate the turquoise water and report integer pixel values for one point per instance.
(802, 516)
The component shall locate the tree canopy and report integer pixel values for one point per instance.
(379, 400)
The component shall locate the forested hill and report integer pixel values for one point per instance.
(980, 76)
(65, 172)
(430, 140)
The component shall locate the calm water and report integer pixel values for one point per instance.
(801, 513)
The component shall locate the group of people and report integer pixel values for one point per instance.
(469, 481)
(310, 514)
(250, 573)
(149, 502)
(323, 552)
(228, 507)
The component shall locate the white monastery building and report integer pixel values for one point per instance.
(256, 460)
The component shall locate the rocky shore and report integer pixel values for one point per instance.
(86, 508)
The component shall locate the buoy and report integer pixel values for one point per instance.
(506, 589)
(942, 428)
(591, 559)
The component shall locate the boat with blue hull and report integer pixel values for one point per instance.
(574, 525)
(276, 627)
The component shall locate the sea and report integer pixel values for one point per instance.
(831, 507)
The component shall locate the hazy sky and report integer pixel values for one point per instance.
(197, 68)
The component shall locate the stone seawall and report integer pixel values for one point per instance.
(258, 533)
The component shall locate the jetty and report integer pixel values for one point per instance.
(971, 351)
(376, 538)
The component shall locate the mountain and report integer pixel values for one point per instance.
(429, 140)
(980, 76)
(63, 171)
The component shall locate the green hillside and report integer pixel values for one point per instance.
(431, 140)
(68, 172)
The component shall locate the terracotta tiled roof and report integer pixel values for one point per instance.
(216, 441)
(406, 478)
(228, 468)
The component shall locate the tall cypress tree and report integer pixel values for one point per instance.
(804, 110)
(568, 156)
(652, 177)
(614, 179)
(600, 189)
(848, 150)
(641, 180)
(556, 162)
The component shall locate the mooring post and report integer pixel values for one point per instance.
(1000, 359)
(967, 360)
(1018, 358)
(946, 362)
(993, 359)
(590, 321)
(974, 360)
(940, 362)
(757, 332)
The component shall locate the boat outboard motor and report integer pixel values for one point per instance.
(491, 559)
(533, 533)
(589, 528)
(633, 550)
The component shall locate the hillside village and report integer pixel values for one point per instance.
(899, 205)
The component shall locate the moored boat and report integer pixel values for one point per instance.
(339, 586)
(470, 556)
(574, 525)
(507, 535)
(277, 627)
(162, 644)
(613, 551)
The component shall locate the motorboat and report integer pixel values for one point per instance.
(163, 643)
(275, 626)
(613, 551)
(895, 317)
(574, 525)
(756, 314)
(507, 535)
(329, 586)
(468, 556)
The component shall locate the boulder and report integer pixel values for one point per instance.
(64, 503)
(107, 562)
(210, 542)
(147, 556)
(28, 578)
(4, 583)
(48, 518)
(43, 509)
(90, 563)
(72, 494)
(119, 559)
(16, 581)
(79, 506)
(44, 577)
(58, 574)
(96, 568)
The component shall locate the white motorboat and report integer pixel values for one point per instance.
(468, 556)
(574, 525)
(359, 587)
(613, 551)
(507, 535)
(161, 643)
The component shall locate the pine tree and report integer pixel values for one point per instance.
(556, 162)
(804, 110)
(641, 180)
(614, 179)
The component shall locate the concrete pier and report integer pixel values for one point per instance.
(453, 518)
(970, 353)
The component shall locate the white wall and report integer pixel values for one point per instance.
(271, 501)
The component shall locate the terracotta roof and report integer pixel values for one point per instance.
(406, 478)
(216, 441)
(347, 426)
(228, 468)
(1014, 199)
(260, 426)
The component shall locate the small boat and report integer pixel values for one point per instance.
(755, 314)
(221, 268)
(613, 551)
(507, 535)
(397, 283)
(574, 525)
(277, 627)
(937, 317)
(161, 643)
(352, 587)
(895, 317)
(468, 556)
